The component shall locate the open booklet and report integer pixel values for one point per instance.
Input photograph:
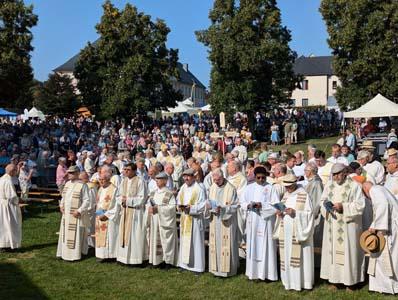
(279, 206)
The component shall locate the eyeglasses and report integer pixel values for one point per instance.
(260, 177)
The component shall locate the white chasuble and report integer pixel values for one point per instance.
(342, 258)
(223, 234)
(132, 245)
(74, 232)
(192, 239)
(106, 231)
(295, 236)
(163, 239)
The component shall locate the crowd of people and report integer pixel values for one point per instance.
(156, 191)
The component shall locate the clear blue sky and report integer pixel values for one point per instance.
(65, 26)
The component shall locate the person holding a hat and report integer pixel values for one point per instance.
(223, 233)
(191, 202)
(381, 239)
(131, 199)
(294, 229)
(75, 223)
(392, 177)
(10, 213)
(261, 260)
(163, 240)
(342, 206)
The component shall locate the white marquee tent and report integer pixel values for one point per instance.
(180, 108)
(379, 106)
(34, 113)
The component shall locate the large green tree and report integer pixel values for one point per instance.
(56, 95)
(16, 75)
(129, 68)
(363, 35)
(252, 63)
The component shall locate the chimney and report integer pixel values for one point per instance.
(185, 67)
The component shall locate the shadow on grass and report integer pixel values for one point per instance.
(35, 247)
(15, 284)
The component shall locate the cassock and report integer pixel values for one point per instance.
(223, 234)
(131, 244)
(383, 267)
(391, 184)
(342, 258)
(295, 241)
(178, 163)
(163, 239)
(239, 181)
(314, 189)
(10, 215)
(192, 238)
(260, 246)
(73, 233)
(277, 191)
(106, 231)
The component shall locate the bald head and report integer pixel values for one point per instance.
(83, 176)
(11, 170)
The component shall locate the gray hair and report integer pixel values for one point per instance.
(313, 167)
(218, 172)
(107, 171)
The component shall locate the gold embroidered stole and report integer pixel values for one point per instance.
(186, 224)
(295, 255)
(225, 231)
(71, 229)
(337, 226)
(101, 227)
(127, 212)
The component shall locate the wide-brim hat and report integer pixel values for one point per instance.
(73, 169)
(288, 180)
(161, 175)
(371, 242)
(392, 151)
(367, 145)
(189, 172)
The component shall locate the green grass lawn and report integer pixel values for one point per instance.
(34, 273)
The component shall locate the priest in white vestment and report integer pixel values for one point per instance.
(10, 213)
(342, 206)
(392, 177)
(383, 266)
(106, 223)
(162, 226)
(261, 258)
(223, 234)
(131, 199)
(75, 223)
(294, 229)
(191, 202)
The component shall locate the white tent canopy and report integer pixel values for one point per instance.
(34, 113)
(188, 102)
(206, 108)
(180, 108)
(379, 106)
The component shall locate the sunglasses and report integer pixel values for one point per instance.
(261, 177)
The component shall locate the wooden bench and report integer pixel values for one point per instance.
(43, 203)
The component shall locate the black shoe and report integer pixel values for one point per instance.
(100, 260)
(167, 267)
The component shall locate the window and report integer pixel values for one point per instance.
(334, 85)
(304, 85)
(304, 102)
(293, 102)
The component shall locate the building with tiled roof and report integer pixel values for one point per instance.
(187, 84)
(319, 83)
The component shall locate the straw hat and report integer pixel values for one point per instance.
(288, 180)
(372, 243)
(367, 145)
